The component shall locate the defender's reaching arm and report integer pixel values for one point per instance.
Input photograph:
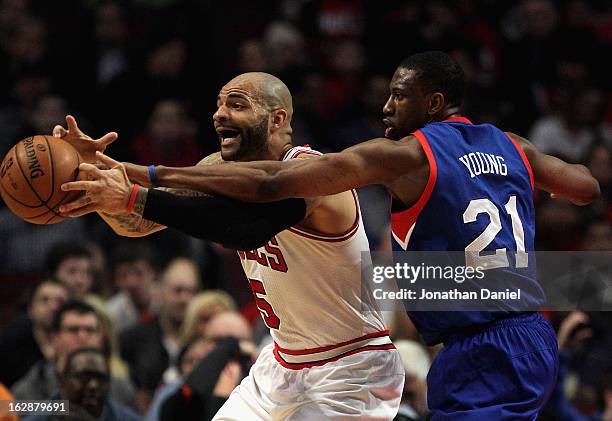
(378, 161)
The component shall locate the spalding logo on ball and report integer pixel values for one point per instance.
(31, 175)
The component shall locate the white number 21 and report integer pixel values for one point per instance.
(499, 259)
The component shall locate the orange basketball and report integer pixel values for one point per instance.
(31, 175)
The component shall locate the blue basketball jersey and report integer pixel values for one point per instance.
(478, 200)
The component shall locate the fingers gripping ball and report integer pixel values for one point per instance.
(31, 175)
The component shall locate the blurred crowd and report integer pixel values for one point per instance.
(148, 312)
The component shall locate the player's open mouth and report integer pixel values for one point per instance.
(229, 136)
(390, 130)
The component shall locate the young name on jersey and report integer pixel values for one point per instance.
(484, 163)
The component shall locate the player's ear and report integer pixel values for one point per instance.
(436, 103)
(278, 118)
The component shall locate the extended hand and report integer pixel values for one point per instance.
(85, 145)
(105, 190)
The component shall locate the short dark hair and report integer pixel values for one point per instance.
(46, 281)
(438, 72)
(76, 306)
(79, 351)
(62, 251)
(133, 251)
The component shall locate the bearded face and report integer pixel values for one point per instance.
(243, 141)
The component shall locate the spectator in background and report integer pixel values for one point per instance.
(575, 129)
(48, 110)
(191, 353)
(367, 120)
(252, 57)
(27, 43)
(203, 307)
(169, 138)
(100, 271)
(29, 338)
(30, 85)
(284, 40)
(85, 384)
(346, 68)
(558, 225)
(23, 246)
(533, 47)
(150, 348)
(572, 336)
(367, 124)
(211, 382)
(70, 264)
(110, 344)
(134, 273)
(111, 34)
(76, 325)
(161, 74)
(598, 236)
(228, 323)
(204, 390)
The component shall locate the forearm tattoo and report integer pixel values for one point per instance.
(134, 222)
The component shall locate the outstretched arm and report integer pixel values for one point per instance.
(133, 224)
(378, 161)
(140, 211)
(569, 181)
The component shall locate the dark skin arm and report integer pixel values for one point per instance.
(401, 166)
(573, 182)
(378, 161)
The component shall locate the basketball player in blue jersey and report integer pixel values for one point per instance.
(456, 186)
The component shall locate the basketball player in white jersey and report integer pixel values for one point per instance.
(331, 357)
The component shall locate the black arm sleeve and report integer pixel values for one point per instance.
(234, 224)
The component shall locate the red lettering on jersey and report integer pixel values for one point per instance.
(268, 255)
(257, 256)
(276, 259)
(267, 313)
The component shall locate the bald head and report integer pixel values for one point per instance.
(253, 118)
(266, 89)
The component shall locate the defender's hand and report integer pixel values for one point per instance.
(105, 191)
(84, 144)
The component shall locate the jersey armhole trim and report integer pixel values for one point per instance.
(322, 236)
(524, 158)
(411, 214)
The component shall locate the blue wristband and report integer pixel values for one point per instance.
(152, 176)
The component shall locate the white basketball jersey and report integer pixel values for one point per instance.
(307, 286)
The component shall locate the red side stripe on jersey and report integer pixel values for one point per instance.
(322, 236)
(401, 222)
(328, 347)
(295, 366)
(524, 158)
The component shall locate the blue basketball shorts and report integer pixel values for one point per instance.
(506, 371)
